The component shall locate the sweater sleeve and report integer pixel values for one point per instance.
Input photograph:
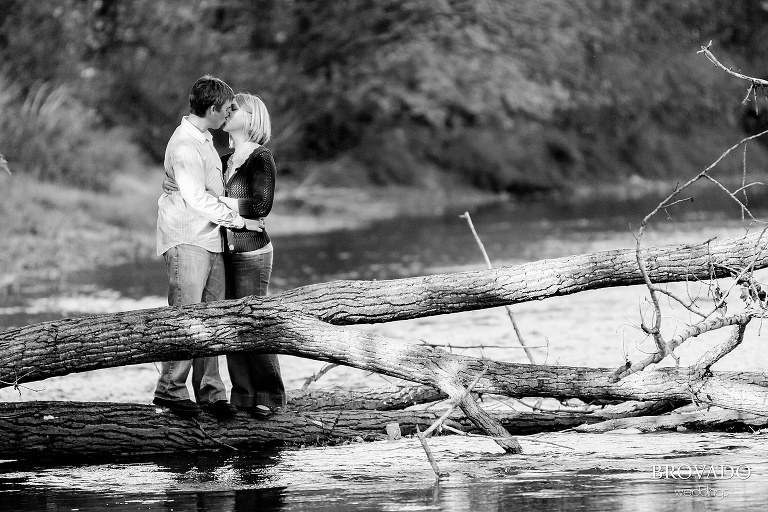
(261, 175)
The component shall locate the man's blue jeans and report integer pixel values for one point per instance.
(194, 275)
(256, 378)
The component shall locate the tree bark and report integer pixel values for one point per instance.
(354, 302)
(46, 430)
(71, 429)
(709, 419)
(379, 400)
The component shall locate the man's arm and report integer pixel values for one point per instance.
(188, 172)
(170, 186)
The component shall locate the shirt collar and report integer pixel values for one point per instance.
(192, 130)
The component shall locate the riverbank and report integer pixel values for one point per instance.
(50, 229)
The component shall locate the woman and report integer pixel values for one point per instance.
(249, 187)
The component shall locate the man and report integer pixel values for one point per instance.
(188, 237)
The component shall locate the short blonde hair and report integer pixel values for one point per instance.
(258, 128)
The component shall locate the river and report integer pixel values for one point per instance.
(578, 472)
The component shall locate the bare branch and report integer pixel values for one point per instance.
(677, 340)
(744, 175)
(732, 195)
(740, 277)
(713, 324)
(17, 379)
(716, 353)
(536, 407)
(511, 316)
(316, 376)
(472, 434)
(508, 440)
(745, 187)
(662, 347)
(684, 200)
(455, 404)
(746, 98)
(687, 305)
(713, 59)
(430, 457)
(481, 346)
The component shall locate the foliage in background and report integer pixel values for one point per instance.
(519, 96)
(54, 137)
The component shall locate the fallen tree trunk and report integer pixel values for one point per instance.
(71, 429)
(56, 348)
(709, 419)
(295, 323)
(354, 302)
(79, 344)
(55, 429)
(379, 399)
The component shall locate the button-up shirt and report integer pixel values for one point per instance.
(193, 214)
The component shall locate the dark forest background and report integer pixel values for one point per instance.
(521, 96)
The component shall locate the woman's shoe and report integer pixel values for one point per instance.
(221, 409)
(261, 412)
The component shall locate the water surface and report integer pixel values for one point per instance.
(597, 328)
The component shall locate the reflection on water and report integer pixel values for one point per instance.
(600, 472)
(186, 482)
(370, 477)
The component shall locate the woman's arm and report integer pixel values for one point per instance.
(261, 176)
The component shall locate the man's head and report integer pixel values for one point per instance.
(210, 98)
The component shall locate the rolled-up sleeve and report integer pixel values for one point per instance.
(189, 173)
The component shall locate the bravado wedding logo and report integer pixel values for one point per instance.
(701, 471)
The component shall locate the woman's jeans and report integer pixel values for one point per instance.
(194, 275)
(255, 377)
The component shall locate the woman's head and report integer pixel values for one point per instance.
(249, 117)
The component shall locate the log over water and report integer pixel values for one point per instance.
(307, 322)
(55, 429)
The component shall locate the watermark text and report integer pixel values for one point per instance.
(702, 492)
(701, 471)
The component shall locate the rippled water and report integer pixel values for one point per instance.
(578, 472)
(594, 329)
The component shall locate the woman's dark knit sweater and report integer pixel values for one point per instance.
(253, 185)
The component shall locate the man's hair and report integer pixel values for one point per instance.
(208, 91)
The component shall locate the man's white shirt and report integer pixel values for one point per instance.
(193, 214)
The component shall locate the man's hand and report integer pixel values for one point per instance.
(169, 185)
(254, 225)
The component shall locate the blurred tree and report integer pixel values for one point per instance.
(506, 95)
